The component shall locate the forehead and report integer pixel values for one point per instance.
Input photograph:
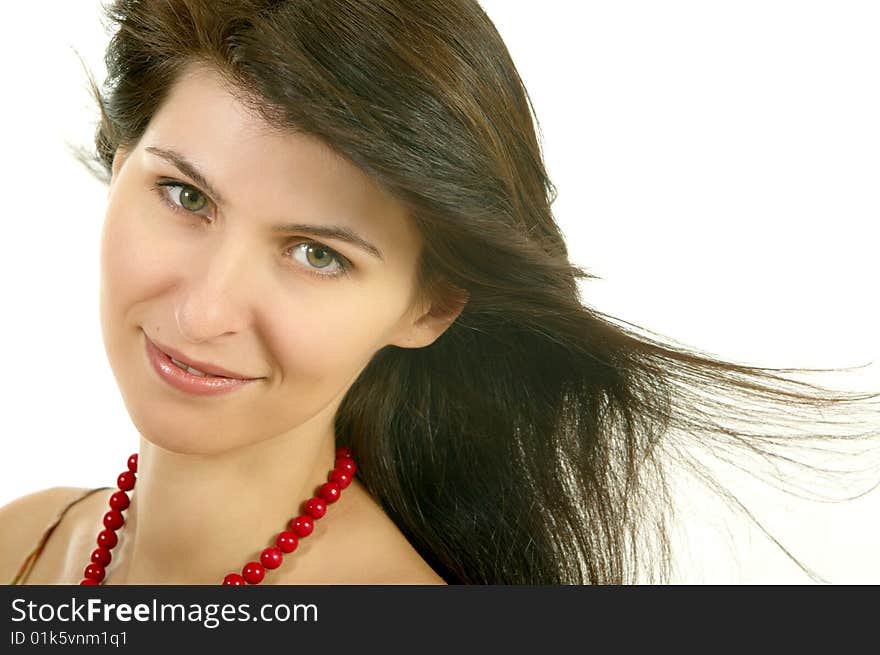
(257, 166)
(201, 107)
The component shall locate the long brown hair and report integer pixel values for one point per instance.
(530, 443)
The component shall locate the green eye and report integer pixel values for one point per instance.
(319, 257)
(189, 199)
(181, 197)
(322, 261)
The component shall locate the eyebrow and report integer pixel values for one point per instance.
(340, 232)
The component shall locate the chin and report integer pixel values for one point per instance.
(183, 437)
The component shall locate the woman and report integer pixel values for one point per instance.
(343, 205)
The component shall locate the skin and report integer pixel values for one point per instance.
(220, 476)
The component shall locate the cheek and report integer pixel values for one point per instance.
(332, 341)
(132, 265)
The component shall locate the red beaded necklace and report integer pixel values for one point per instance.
(252, 572)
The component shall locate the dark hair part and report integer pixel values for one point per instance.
(529, 443)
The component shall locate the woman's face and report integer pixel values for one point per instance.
(198, 264)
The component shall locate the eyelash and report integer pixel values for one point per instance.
(159, 187)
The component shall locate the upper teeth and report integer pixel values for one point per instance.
(192, 370)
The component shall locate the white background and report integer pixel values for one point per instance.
(717, 166)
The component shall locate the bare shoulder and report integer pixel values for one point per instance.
(385, 554)
(24, 521)
(418, 575)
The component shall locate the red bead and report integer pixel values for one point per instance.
(329, 491)
(253, 572)
(101, 556)
(287, 541)
(315, 507)
(271, 558)
(107, 539)
(302, 525)
(340, 477)
(346, 464)
(113, 519)
(94, 572)
(120, 501)
(125, 481)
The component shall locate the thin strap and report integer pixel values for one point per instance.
(31, 559)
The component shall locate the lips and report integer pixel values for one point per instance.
(200, 366)
(190, 383)
(192, 370)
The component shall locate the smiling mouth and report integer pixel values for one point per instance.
(195, 371)
(176, 359)
(190, 380)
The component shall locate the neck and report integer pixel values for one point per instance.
(195, 518)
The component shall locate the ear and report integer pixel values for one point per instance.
(426, 323)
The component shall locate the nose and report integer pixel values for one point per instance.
(217, 291)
